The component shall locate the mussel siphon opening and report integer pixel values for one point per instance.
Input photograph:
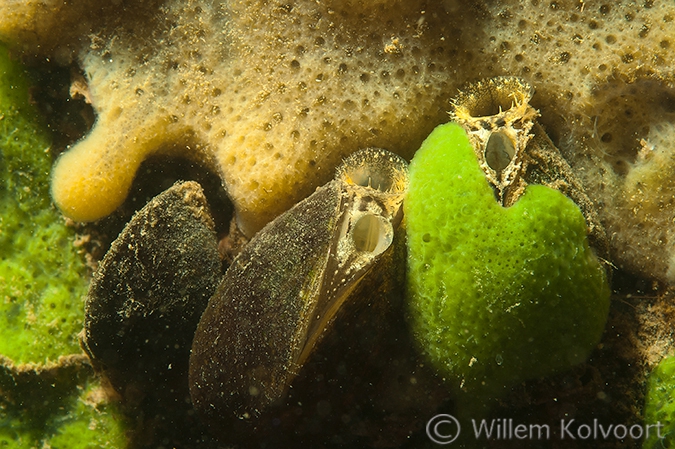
(367, 177)
(367, 233)
(499, 151)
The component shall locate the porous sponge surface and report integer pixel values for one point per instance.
(275, 94)
(271, 95)
(42, 277)
(496, 295)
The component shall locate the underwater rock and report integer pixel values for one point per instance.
(497, 295)
(146, 298)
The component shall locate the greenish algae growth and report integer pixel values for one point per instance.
(90, 423)
(42, 277)
(497, 295)
(42, 282)
(660, 406)
(90, 426)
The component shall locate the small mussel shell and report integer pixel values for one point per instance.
(514, 151)
(146, 298)
(497, 116)
(284, 289)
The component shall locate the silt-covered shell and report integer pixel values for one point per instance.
(283, 290)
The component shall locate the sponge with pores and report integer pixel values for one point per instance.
(497, 295)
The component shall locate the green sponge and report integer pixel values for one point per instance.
(78, 418)
(42, 277)
(660, 406)
(497, 295)
(43, 280)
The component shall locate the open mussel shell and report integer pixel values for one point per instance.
(281, 294)
(513, 149)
